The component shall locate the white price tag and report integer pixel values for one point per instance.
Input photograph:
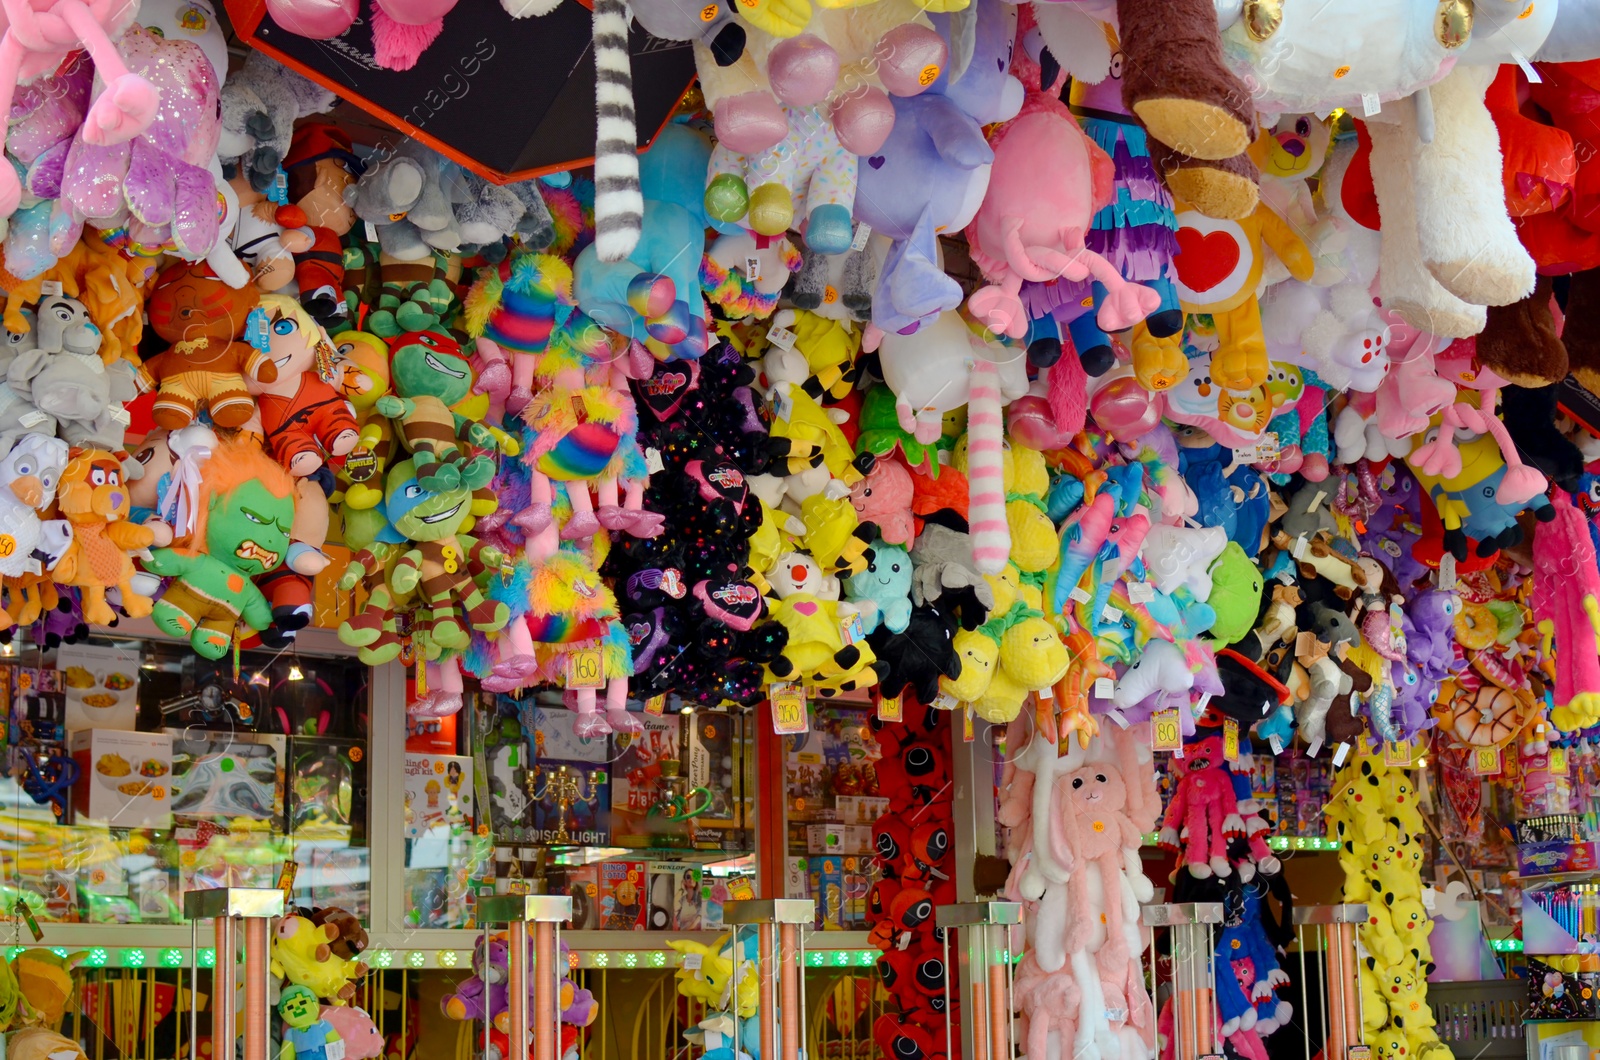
(50, 288)
(1277, 744)
(1340, 753)
(1110, 614)
(372, 232)
(1300, 546)
(1104, 688)
(691, 961)
(1370, 104)
(1079, 594)
(1447, 572)
(1141, 592)
(653, 461)
(781, 337)
(1528, 69)
(863, 233)
(1316, 745)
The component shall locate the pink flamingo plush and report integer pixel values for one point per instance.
(1204, 808)
(40, 35)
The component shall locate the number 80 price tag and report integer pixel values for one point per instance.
(1166, 731)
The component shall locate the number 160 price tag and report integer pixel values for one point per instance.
(584, 669)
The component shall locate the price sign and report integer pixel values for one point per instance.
(967, 735)
(739, 889)
(1486, 761)
(1397, 754)
(1558, 761)
(1166, 731)
(584, 669)
(1230, 740)
(891, 709)
(655, 705)
(788, 708)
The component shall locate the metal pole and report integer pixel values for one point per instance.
(944, 943)
(224, 980)
(487, 1016)
(256, 958)
(793, 1018)
(194, 982)
(738, 967)
(768, 1010)
(544, 990)
(517, 987)
(999, 1000)
(978, 983)
(1305, 1000)
(805, 1005)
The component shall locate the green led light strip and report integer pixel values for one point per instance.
(1277, 842)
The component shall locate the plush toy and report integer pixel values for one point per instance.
(242, 514)
(301, 954)
(355, 1029)
(304, 419)
(883, 498)
(1204, 809)
(93, 499)
(806, 180)
(305, 1033)
(260, 105)
(806, 603)
(205, 368)
(1565, 596)
(883, 590)
(31, 471)
(430, 376)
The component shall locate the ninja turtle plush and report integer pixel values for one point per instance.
(430, 374)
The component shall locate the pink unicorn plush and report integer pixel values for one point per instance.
(39, 37)
(1047, 182)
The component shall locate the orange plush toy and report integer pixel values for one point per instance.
(94, 499)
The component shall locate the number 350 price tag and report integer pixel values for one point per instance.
(788, 708)
(584, 669)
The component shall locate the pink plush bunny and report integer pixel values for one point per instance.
(39, 35)
(1048, 1001)
(1047, 182)
(1204, 808)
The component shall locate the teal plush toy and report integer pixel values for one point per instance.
(653, 295)
(883, 590)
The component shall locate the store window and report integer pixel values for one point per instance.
(140, 770)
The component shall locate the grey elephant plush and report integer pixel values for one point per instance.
(64, 377)
(419, 202)
(260, 105)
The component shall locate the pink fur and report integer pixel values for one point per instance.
(991, 535)
(1201, 809)
(397, 46)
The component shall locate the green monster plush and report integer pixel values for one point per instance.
(441, 567)
(1235, 595)
(241, 529)
(430, 374)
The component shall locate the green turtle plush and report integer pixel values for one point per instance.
(1235, 595)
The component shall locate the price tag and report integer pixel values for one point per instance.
(788, 708)
(372, 232)
(1370, 104)
(781, 337)
(585, 670)
(752, 268)
(891, 709)
(1047, 692)
(1528, 69)
(286, 876)
(1230, 740)
(1079, 594)
(863, 233)
(26, 914)
(1166, 731)
(1277, 744)
(967, 735)
(1299, 549)
(691, 961)
(1447, 572)
(1397, 754)
(1486, 761)
(653, 461)
(1558, 761)
(1110, 614)
(50, 288)
(850, 629)
(945, 701)
(655, 705)
(739, 889)
(1104, 688)
(1340, 753)
(1141, 592)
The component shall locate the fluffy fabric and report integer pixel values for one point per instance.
(397, 46)
(991, 535)
(619, 204)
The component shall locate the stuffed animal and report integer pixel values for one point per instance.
(31, 471)
(243, 510)
(883, 590)
(806, 602)
(1203, 808)
(354, 1029)
(301, 954)
(260, 105)
(430, 376)
(883, 498)
(94, 500)
(304, 420)
(205, 368)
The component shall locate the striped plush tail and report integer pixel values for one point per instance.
(991, 536)
(618, 203)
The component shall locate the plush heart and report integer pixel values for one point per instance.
(667, 386)
(876, 161)
(1205, 260)
(736, 604)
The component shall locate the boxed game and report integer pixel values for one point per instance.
(101, 685)
(510, 806)
(713, 896)
(711, 765)
(828, 872)
(327, 784)
(227, 774)
(622, 895)
(569, 806)
(438, 794)
(124, 778)
(796, 877)
(636, 776)
(582, 882)
(674, 897)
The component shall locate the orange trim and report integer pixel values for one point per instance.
(772, 839)
(247, 15)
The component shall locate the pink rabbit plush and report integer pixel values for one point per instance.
(1048, 1002)
(1204, 809)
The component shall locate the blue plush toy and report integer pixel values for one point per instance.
(883, 590)
(653, 295)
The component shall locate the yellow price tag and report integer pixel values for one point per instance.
(1486, 761)
(788, 708)
(1166, 731)
(967, 735)
(1230, 740)
(1397, 754)
(891, 709)
(584, 669)
(1558, 761)
(655, 705)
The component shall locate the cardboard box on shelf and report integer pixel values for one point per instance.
(101, 686)
(585, 814)
(582, 882)
(636, 776)
(438, 793)
(623, 895)
(860, 809)
(828, 871)
(228, 775)
(124, 778)
(323, 778)
(553, 737)
(674, 897)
